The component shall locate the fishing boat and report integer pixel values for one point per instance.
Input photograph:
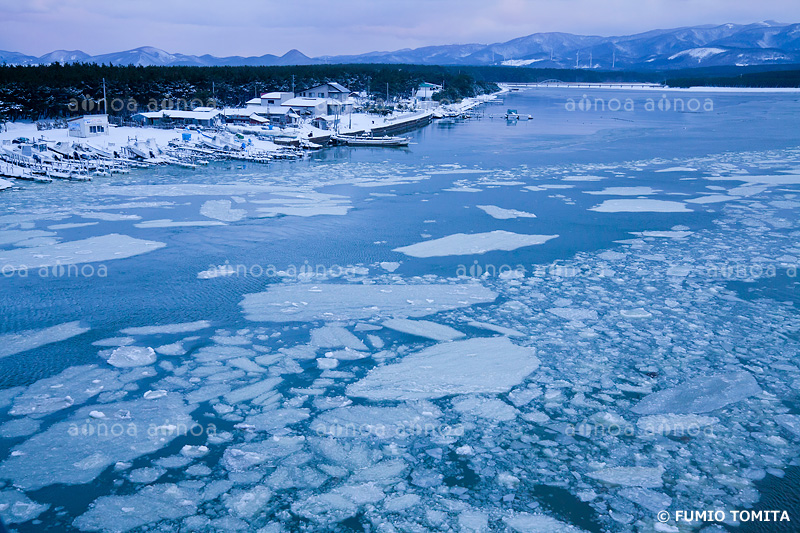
(369, 140)
(512, 114)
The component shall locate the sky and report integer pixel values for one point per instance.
(322, 27)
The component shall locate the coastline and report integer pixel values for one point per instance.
(192, 147)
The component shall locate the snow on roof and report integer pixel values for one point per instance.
(87, 116)
(174, 113)
(254, 101)
(237, 111)
(274, 95)
(304, 102)
(337, 88)
(340, 88)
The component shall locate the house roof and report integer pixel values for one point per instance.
(304, 102)
(174, 113)
(86, 116)
(254, 101)
(274, 95)
(337, 88)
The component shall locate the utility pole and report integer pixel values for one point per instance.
(292, 85)
(105, 102)
(613, 58)
(590, 59)
(387, 93)
(578, 60)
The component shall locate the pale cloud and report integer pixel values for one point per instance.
(321, 27)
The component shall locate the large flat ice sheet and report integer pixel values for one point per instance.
(482, 365)
(331, 302)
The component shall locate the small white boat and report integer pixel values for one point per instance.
(369, 140)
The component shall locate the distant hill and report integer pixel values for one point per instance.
(764, 43)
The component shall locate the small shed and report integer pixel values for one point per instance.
(88, 126)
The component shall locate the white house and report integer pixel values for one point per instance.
(88, 126)
(307, 106)
(426, 90)
(268, 99)
(333, 91)
(200, 116)
(277, 115)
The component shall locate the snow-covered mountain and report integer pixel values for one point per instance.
(763, 43)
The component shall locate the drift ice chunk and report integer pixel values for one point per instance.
(304, 303)
(630, 476)
(21, 427)
(501, 213)
(328, 508)
(73, 386)
(538, 523)
(252, 391)
(700, 395)
(335, 337)
(17, 508)
(151, 504)
(488, 408)
(91, 250)
(246, 503)
(132, 356)
(183, 327)
(221, 210)
(497, 329)
(648, 499)
(23, 341)
(475, 243)
(790, 422)
(571, 313)
(78, 449)
(482, 365)
(423, 328)
(640, 206)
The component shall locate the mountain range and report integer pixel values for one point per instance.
(762, 43)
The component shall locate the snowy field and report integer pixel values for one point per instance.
(511, 331)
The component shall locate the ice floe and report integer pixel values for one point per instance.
(14, 343)
(624, 191)
(183, 327)
(501, 213)
(641, 206)
(91, 250)
(221, 210)
(630, 476)
(336, 337)
(700, 395)
(329, 302)
(481, 365)
(474, 243)
(86, 446)
(423, 328)
(167, 223)
(131, 356)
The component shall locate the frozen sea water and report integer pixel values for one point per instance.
(630, 365)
